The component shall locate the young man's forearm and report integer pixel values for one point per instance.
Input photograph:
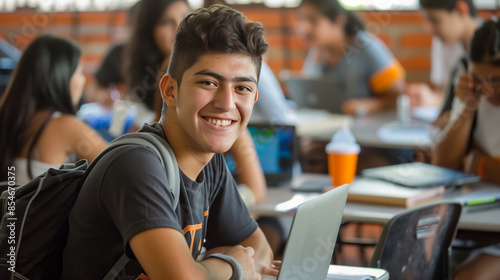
(214, 268)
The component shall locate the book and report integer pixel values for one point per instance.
(382, 192)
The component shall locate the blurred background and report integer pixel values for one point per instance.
(98, 24)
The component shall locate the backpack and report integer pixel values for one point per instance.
(34, 225)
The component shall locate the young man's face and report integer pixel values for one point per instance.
(447, 26)
(214, 101)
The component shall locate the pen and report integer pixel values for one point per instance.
(478, 201)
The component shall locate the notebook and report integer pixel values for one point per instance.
(315, 93)
(276, 149)
(313, 234)
(420, 175)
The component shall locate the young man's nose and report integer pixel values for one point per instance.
(224, 98)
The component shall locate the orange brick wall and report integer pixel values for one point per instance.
(402, 31)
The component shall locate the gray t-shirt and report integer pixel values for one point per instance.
(357, 73)
(126, 194)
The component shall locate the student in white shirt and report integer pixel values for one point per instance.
(452, 23)
(471, 141)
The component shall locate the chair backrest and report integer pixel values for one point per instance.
(415, 244)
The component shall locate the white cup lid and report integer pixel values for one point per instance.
(343, 148)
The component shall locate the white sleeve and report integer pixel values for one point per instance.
(443, 60)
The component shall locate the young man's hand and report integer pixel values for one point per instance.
(245, 257)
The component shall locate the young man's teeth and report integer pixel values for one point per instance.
(219, 122)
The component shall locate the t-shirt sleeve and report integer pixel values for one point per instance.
(229, 221)
(383, 67)
(135, 194)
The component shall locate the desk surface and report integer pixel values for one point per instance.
(485, 220)
(321, 125)
(367, 132)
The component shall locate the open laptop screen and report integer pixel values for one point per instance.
(275, 148)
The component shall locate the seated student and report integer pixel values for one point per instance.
(452, 23)
(150, 44)
(38, 125)
(366, 72)
(471, 141)
(209, 93)
(108, 83)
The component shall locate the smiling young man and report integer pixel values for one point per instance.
(209, 92)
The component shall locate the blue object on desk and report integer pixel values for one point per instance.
(275, 146)
(99, 118)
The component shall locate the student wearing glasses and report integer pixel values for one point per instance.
(471, 141)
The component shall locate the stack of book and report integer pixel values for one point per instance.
(375, 191)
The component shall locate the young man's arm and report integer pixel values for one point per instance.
(263, 253)
(164, 254)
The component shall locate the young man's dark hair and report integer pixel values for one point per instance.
(332, 9)
(218, 29)
(448, 5)
(125, 205)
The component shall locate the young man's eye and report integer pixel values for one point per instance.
(207, 83)
(243, 88)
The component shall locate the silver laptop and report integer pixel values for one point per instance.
(310, 245)
(315, 93)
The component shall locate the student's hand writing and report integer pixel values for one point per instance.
(245, 257)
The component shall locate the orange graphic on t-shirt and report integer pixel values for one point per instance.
(193, 229)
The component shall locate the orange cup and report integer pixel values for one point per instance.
(342, 168)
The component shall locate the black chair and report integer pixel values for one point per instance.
(415, 244)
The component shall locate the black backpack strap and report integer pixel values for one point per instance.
(164, 151)
(117, 268)
(167, 157)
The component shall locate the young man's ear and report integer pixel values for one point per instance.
(168, 86)
(462, 8)
(256, 96)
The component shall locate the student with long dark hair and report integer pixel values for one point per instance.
(37, 112)
(149, 45)
(366, 73)
(471, 141)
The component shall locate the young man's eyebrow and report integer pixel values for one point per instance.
(220, 77)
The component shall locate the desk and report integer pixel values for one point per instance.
(487, 220)
(319, 124)
(366, 132)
